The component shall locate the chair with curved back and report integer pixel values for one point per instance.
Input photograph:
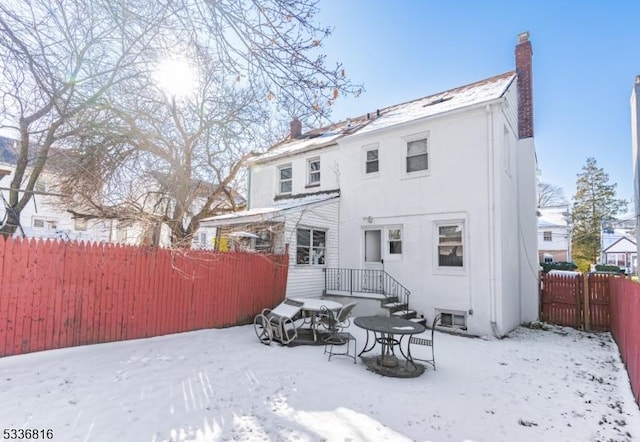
(335, 324)
(277, 324)
(426, 342)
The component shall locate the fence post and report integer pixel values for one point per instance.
(587, 312)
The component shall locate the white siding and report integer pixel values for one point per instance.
(308, 280)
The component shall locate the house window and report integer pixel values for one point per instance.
(47, 224)
(313, 168)
(371, 161)
(285, 178)
(547, 236)
(40, 186)
(311, 246)
(417, 155)
(203, 239)
(80, 224)
(394, 240)
(450, 245)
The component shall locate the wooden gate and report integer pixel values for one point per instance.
(563, 300)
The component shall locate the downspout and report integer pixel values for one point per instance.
(249, 188)
(493, 306)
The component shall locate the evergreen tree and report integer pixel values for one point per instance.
(595, 202)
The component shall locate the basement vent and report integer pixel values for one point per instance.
(453, 319)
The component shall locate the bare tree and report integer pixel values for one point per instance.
(163, 157)
(550, 195)
(60, 58)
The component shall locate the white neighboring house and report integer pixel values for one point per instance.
(635, 149)
(554, 235)
(436, 196)
(623, 252)
(44, 217)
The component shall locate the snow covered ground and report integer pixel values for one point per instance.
(220, 385)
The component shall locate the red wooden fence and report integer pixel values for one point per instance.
(61, 294)
(625, 327)
(562, 300)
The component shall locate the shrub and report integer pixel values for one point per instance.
(607, 268)
(558, 266)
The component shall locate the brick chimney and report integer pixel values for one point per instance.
(524, 55)
(295, 128)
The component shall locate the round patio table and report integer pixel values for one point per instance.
(385, 331)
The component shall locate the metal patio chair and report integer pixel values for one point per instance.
(278, 324)
(336, 323)
(425, 342)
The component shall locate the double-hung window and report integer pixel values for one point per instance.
(285, 179)
(417, 155)
(394, 240)
(547, 236)
(450, 245)
(371, 163)
(311, 246)
(313, 168)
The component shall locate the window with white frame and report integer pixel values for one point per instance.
(417, 155)
(371, 161)
(285, 179)
(394, 241)
(311, 246)
(547, 236)
(48, 224)
(313, 169)
(450, 245)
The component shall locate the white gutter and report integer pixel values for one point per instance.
(493, 305)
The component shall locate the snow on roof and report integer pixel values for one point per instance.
(266, 213)
(461, 97)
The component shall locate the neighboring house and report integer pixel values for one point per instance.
(436, 196)
(635, 145)
(623, 253)
(44, 217)
(554, 235)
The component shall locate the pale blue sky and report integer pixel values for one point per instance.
(586, 55)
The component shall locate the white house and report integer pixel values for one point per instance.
(554, 235)
(436, 197)
(623, 253)
(635, 147)
(45, 217)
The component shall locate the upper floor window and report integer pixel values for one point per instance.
(285, 178)
(311, 246)
(313, 168)
(80, 224)
(417, 155)
(450, 245)
(547, 236)
(371, 161)
(40, 186)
